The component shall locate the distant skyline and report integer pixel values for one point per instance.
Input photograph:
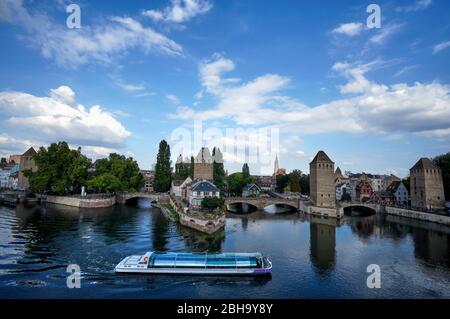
(375, 100)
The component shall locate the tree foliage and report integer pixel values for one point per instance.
(191, 168)
(294, 181)
(304, 184)
(105, 182)
(60, 170)
(3, 162)
(182, 171)
(211, 203)
(125, 170)
(443, 161)
(236, 182)
(346, 198)
(163, 171)
(281, 183)
(246, 172)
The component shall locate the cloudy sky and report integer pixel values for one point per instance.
(137, 71)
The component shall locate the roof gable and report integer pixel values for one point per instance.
(321, 156)
(204, 186)
(424, 163)
(30, 152)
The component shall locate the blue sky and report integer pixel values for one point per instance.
(137, 71)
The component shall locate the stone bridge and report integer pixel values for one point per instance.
(261, 202)
(122, 198)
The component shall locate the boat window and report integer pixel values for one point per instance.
(190, 261)
(164, 260)
(204, 260)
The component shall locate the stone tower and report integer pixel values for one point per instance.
(321, 181)
(203, 165)
(427, 187)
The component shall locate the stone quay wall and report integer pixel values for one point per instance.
(435, 218)
(203, 225)
(209, 226)
(76, 201)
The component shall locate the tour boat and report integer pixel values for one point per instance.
(196, 264)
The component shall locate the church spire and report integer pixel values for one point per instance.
(276, 165)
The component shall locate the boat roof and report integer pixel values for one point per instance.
(211, 255)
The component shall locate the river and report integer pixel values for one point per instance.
(312, 257)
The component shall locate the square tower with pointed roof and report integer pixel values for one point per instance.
(321, 181)
(203, 165)
(427, 186)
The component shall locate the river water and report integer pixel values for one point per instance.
(312, 257)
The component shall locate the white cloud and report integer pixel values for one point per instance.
(441, 46)
(406, 70)
(385, 33)
(96, 152)
(10, 145)
(102, 43)
(300, 153)
(366, 106)
(349, 29)
(52, 118)
(131, 87)
(179, 11)
(173, 98)
(417, 6)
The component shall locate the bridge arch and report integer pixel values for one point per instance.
(359, 209)
(281, 203)
(123, 198)
(251, 205)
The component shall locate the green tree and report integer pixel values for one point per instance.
(346, 198)
(181, 171)
(211, 203)
(3, 162)
(105, 182)
(60, 169)
(304, 184)
(246, 172)
(443, 161)
(218, 174)
(191, 167)
(163, 171)
(126, 170)
(281, 183)
(294, 181)
(235, 183)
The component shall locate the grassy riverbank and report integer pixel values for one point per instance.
(168, 211)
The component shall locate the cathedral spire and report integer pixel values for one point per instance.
(276, 165)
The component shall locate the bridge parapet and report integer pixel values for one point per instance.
(262, 202)
(121, 198)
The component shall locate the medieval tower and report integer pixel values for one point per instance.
(321, 181)
(427, 187)
(203, 165)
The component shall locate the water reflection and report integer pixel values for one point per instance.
(323, 244)
(37, 244)
(196, 241)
